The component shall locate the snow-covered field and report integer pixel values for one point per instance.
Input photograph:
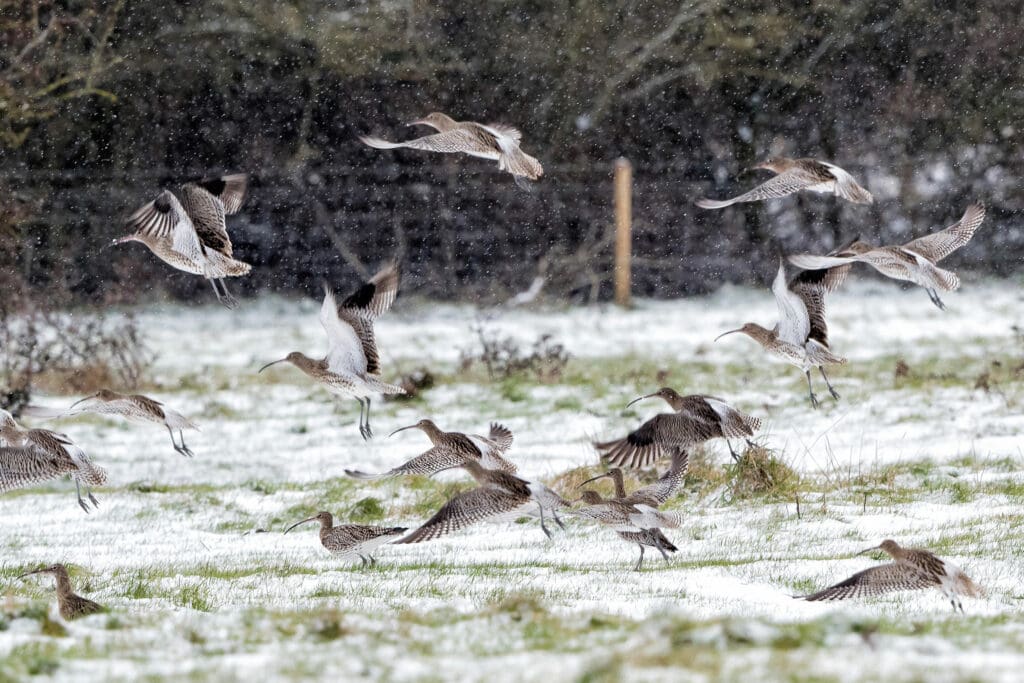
(202, 585)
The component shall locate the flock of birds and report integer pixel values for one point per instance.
(187, 229)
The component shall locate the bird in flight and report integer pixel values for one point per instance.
(794, 175)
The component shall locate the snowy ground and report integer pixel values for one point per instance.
(929, 457)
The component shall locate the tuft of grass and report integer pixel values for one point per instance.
(760, 473)
(193, 597)
(366, 510)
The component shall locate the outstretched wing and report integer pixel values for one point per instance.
(794, 311)
(207, 214)
(426, 464)
(660, 491)
(885, 578)
(941, 244)
(476, 140)
(811, 286)
(21, 467)
(229, 189)
(373, 298)
(344, 348)
(501, 436)
(655, 439)
(473, 506)
(782, 185)
(165, 218)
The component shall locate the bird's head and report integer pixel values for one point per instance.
(437, 120)
(668, 394)
(325, 518)
(424, 425)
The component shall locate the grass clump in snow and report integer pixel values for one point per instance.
(761, 473)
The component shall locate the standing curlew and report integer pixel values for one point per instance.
(349, 541)
(794, 175)
(635, 522)
(133, 407)
(913, 569)
(71, 605)
(451, 450)
(191, 233)
(712, 410)
(500, 496)
(29, 456)
(351, 367)
(697, 419)
(801, 335)
(914, 261)
(492, 141)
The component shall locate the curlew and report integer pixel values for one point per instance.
(72, 606)
(914, 261)
(450, 450)
(132, 407)
(351, 368)
(801, 335)
(188, 231)
(794, 175)
(634, 522)
(913, 569)
(499, 496)
(492, 141)
(29, 456)
(349, 541)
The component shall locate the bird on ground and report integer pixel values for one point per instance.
(499, 496)
(349, 541)
(635, 522)
(914, 261)
(491, 141)
(794, 175)
(30, 456)
(801, 335)
(450, 450)
(351, 368)
(71, 605)
(913, 569)
(133, 407)
(188, 231)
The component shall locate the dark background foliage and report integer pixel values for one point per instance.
(104, 103)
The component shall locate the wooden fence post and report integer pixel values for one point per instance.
(623, 231)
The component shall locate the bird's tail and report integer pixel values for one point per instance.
(378, 143)
(520, 164)
(848, 189)
(383, 387)
(218, 265)
(176, 420)
(661, 539)
(943, 279)
(821, 355)
(968, 587)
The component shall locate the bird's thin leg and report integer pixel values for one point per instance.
(171, 432)
(640, 562)
(663, 553)
(185, 450)
(523, 183)
(558, 520)
(88, 492)
(934, 296)
(369, 432)
(543, 526)
(362, 428)
(810, 390)
(733, 453)
(78, 490)
(229, 301)
(373, 560)
(363, 560)
(213, 283)
(831, 390)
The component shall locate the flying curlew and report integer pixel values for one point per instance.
(133, 407)
(634, 522)
(499, 496)
(190, 232)
(349, 541)
(71, 606)
(794, 175)
(351, 367)
(492, 141)
(451, 450)
(801, 335)
(914, 261)
(29, 456)
(913, 569)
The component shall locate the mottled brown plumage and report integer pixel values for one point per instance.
(348, 541)
(913, 569)
(794, 175)
(71, 606)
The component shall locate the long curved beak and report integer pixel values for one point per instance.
(640, 399)
(310, 519)
(868, 550)
(274, 363)
(729, 332)
(401, 429)
(81, 400)
(417, 122)
(34, 571)
(600, 476)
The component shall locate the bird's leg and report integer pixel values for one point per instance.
(363, 560)
(663, 553)
(229, 301)
(640, 562)
(934, 296)
(185, 450)
(369, 432)
(523, 183)
(558, 520)
(220, 299)
(88, 492)
(831, 390)
(362, 428)
(373, 560)
(78, 490)
(734, 454)
(810, 390)
(543, 527)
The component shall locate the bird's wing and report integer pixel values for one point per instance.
(229, 189)
(467, 139)
(939, 245)
(497, 129)
(794, 313)
(810, 286)
(501, 436)
(361, 308)
(24, 466)
(846, 187)
(207, 214)
(165, 218)
(426, 464)
(661, 490)
(885, 578)
(345, 350)
(647, 517)
(782, 185)
(473, 506)
(655, 439)
(734, 424)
